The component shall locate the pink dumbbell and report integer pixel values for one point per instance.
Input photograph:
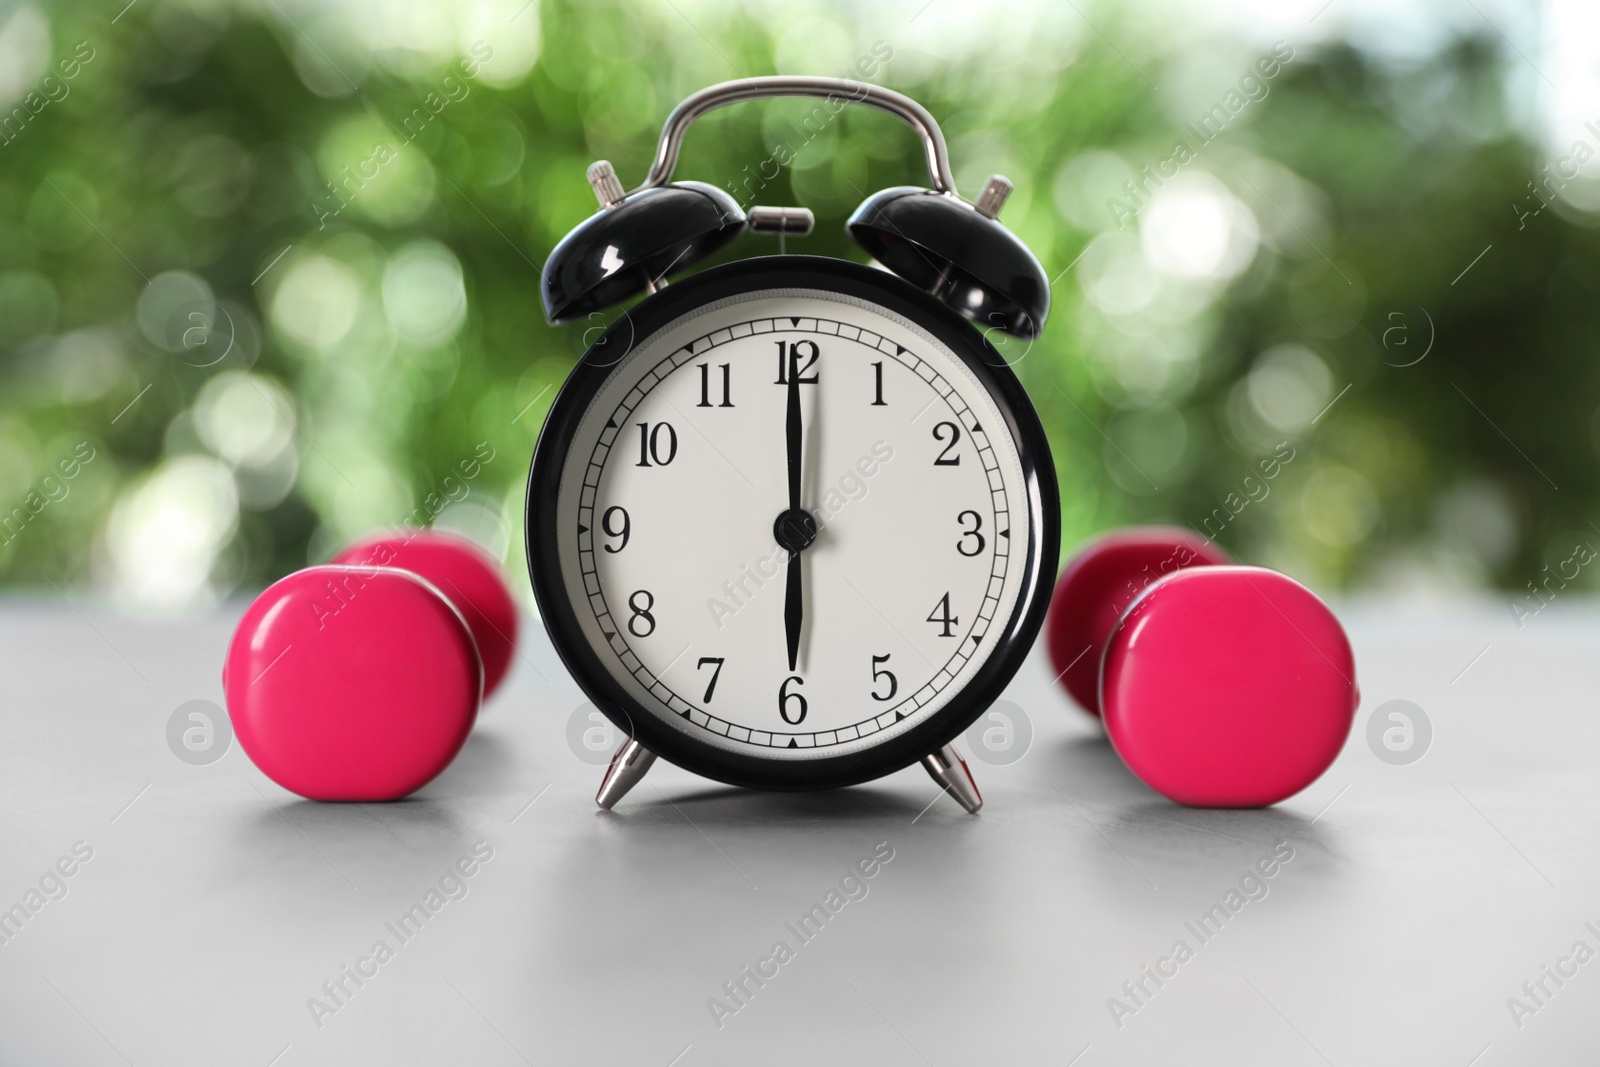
(360, 679)
(1219, 685)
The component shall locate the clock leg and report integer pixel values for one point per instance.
(950, 771)
(627, 767)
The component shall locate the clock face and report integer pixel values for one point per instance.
(720, 621)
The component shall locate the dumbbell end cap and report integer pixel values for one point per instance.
(1099, 584)
(352, 683)
(1228, 687)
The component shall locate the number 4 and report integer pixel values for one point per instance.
(941, 615)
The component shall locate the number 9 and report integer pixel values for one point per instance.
(627, 525)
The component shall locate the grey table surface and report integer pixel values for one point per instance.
(1418, 901)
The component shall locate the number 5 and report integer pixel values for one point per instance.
(894, 683)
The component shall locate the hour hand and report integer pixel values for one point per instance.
(794, 531)
(793, 610)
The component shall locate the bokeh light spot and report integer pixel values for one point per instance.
(165, 532)
(423, 293)
(317, 302)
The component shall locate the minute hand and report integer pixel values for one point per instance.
(793, 607)
(793, 432)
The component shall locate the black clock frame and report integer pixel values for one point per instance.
(1013, 639)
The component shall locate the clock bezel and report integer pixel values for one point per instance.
(1013, 639)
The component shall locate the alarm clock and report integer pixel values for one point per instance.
(792, 522)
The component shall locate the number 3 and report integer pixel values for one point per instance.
(977, 524)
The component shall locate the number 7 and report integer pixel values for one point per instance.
(719, 661)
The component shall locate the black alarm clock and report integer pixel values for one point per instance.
(792, 522)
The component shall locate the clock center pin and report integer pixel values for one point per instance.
(795, 529)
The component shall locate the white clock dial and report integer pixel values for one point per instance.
(678, 471)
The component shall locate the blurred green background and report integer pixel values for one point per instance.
(269, 271)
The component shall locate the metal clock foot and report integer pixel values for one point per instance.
(950, 771)
(627, 767)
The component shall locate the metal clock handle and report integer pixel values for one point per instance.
(902, 107)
